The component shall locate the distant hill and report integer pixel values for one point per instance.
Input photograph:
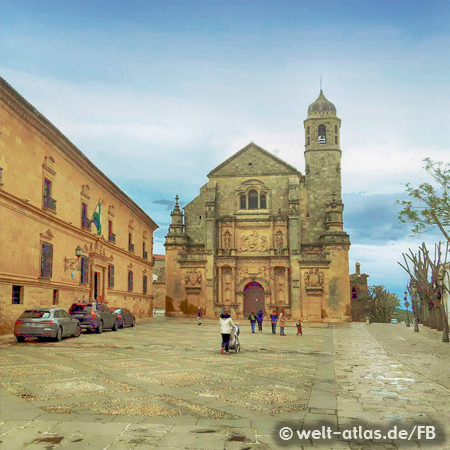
(400, 315)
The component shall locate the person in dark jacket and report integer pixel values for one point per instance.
(259, 319)
(273, 321)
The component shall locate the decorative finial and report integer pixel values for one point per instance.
(177, 205)
(320, 78)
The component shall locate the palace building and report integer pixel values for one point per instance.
(261, 235)
(67, 232)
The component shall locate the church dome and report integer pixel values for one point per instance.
(321, 105)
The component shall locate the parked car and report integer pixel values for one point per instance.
(46, 323)
(394, 321)
(125, 317)
(94, 316)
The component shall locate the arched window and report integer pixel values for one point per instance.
(252, 200)
(309, 140)
(307, 131)
(322, 133)
(262, 201)
(243, 202)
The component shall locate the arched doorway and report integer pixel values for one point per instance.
(253, 298)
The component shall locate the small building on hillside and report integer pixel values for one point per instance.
(67, 232)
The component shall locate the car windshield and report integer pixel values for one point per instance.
(79, 308)
(35, 314)
(117, 311)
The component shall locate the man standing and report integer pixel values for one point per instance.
(199, 315)
(259, 318)
(273, 321)
(282, 321)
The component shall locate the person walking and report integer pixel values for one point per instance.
(299, 327)
(282, 321)
(225, 323)
(252, 319)
(273, 321)
(259, 319)
(199, 315)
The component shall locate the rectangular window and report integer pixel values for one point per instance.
(17, 295)
(130, 244)
(49, 203)
(111, 235)
(55, 297)
(110, 276)
(84, 270)
(46, 260)
(85, 222)
(144, 284)
(130, 281)
(144, 253)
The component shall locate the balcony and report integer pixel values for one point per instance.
(50, 204)
(112, 238)
(131, 247)
(86, 223)
(145, 255)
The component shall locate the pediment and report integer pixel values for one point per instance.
(47, 235)
(253, 161)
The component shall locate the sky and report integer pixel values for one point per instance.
(158, 93)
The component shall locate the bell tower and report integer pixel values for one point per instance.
(322, 157)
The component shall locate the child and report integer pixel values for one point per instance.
(199, 315)
(299, 327)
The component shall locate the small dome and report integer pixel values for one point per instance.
(321, 105)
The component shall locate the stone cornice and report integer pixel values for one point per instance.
(10, 97)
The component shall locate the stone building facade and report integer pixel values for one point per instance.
(360, 297)
(48, 193)
(261, 235)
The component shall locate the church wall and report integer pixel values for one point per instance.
(195, 219)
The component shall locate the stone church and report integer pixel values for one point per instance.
(261, 235)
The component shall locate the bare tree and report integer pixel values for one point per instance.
(431, 205)
(427, 280)
(382, 303)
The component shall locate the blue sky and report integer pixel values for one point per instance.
(158, 93)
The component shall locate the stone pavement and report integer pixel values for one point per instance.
(164, 384)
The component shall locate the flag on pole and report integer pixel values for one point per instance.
(97, 218)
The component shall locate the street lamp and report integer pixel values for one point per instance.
(405, 298)
(70, 263)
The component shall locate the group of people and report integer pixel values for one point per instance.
(274, 319)
(227, 325)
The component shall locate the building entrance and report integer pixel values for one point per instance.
(253, 298)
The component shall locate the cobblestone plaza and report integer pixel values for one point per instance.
(164, 384)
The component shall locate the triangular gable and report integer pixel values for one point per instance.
(253, 160)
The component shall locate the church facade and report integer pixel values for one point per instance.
(263, 236)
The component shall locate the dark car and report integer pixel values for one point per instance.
(46, 323)
(94, 316)
(125, 317)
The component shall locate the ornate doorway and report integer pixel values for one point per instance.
(253, 298)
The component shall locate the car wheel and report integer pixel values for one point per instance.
(99, 329)
(78, 331)
(133, 323)
(20, 339)
(59, 334)
(114, 328)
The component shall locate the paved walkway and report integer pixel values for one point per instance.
(165, 385)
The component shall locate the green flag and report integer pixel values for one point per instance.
(97, 218)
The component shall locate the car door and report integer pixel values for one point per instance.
(108, 316)
(70, 321)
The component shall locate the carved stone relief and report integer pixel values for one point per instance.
(193, 278)
(253, 242)
(314, 278)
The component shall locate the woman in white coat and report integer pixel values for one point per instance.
(226, 323)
